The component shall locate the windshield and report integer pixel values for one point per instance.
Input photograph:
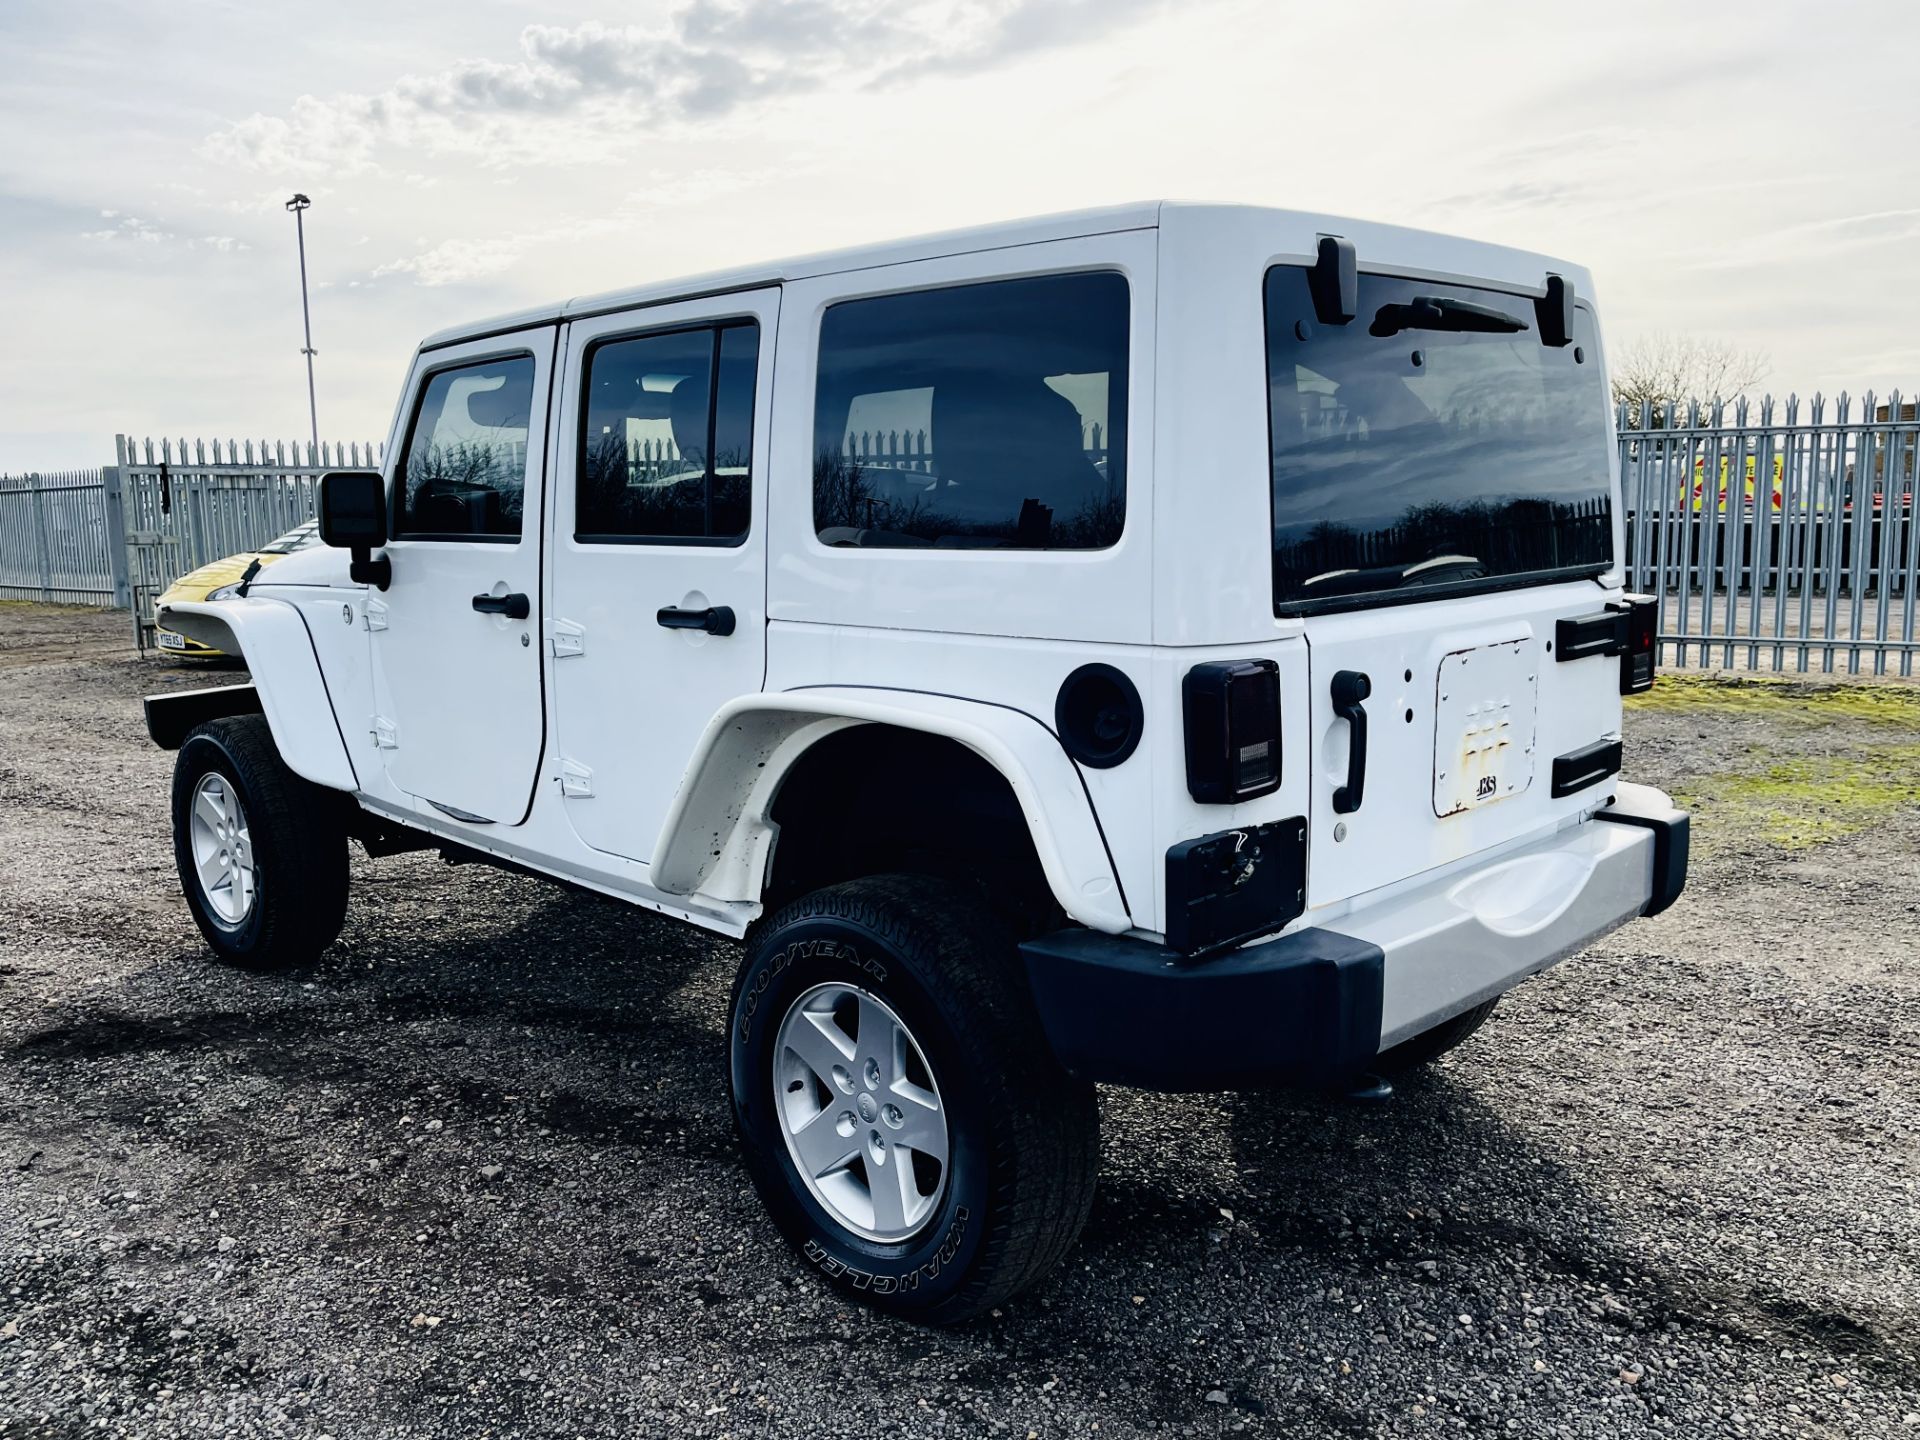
(1432, 441)
(301, 537)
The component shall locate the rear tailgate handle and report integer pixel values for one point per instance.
(1350, 688)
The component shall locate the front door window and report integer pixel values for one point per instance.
(465, 471)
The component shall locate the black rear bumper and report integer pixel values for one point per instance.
(1301, 1009)
(1671, 838)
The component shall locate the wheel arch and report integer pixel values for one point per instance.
(718, 838)
(271, 638)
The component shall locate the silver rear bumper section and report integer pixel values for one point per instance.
(1464, 939)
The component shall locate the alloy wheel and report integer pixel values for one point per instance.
(861, 1112)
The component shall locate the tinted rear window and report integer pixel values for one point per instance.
(976, 416)
(1408, 455)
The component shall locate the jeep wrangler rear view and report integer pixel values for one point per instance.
(1177, 646)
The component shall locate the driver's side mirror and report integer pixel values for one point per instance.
(353, 517)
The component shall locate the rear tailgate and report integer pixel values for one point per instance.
(1468, 709)
(1444, 495)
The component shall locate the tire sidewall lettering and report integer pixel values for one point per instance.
(778, 963)
(894, 1282)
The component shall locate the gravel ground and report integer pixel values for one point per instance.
(474, 1174)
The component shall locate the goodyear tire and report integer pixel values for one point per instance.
(903, 1118)
(262, 853)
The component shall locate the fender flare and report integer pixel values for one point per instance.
(271, 636)
(717, 836)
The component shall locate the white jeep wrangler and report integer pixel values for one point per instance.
(1179, 646)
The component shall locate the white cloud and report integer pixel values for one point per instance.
(1812, 240)
(456, 262)
(492, 168)
(711, 59)
(133, 229)
(464, 261)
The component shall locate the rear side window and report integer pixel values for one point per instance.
(465, 468)
(666, 451)
(977, 416)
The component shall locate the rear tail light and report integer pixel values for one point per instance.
(1637, 657)
(1233, 730)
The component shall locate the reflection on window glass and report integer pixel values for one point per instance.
(667, 447)
(978, 416)
(465, 469)
(1433, 440)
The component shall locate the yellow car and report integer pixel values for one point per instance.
(218, 580)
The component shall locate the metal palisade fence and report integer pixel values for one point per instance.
(1777, 535)
(186, 505)
(56, 542)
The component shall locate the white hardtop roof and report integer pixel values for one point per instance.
(1500, 260)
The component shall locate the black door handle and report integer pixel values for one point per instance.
(1350, 688)
(715, 619)
(514, 607)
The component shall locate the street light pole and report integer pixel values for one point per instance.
(297, 205)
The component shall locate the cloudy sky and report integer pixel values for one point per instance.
(1747, 172)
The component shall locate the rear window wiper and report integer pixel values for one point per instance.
(1437, 570)
(1437, 312)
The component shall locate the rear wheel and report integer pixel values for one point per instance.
(903, 1116)
(262, 853)
(1430, 1045)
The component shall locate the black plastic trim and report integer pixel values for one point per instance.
(1589, 765)
(1554, 312)
(1301, 1009)
(1672, 840)
(171, 717)
(1086, 749)
(1225, 889)
(1577, 637)
(1333, 281)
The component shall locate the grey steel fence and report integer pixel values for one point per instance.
(56, 545)
(188, 504)
(1777, 535)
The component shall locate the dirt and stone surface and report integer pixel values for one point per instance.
(474, 1175)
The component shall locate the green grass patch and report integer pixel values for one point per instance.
(1794, 700)
(1799, 803)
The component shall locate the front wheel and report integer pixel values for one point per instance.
(262, 853)
(903, 1117)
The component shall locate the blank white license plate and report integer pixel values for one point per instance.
(170, 641)
(1484, 713)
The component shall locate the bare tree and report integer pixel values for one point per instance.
(1664, 370)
